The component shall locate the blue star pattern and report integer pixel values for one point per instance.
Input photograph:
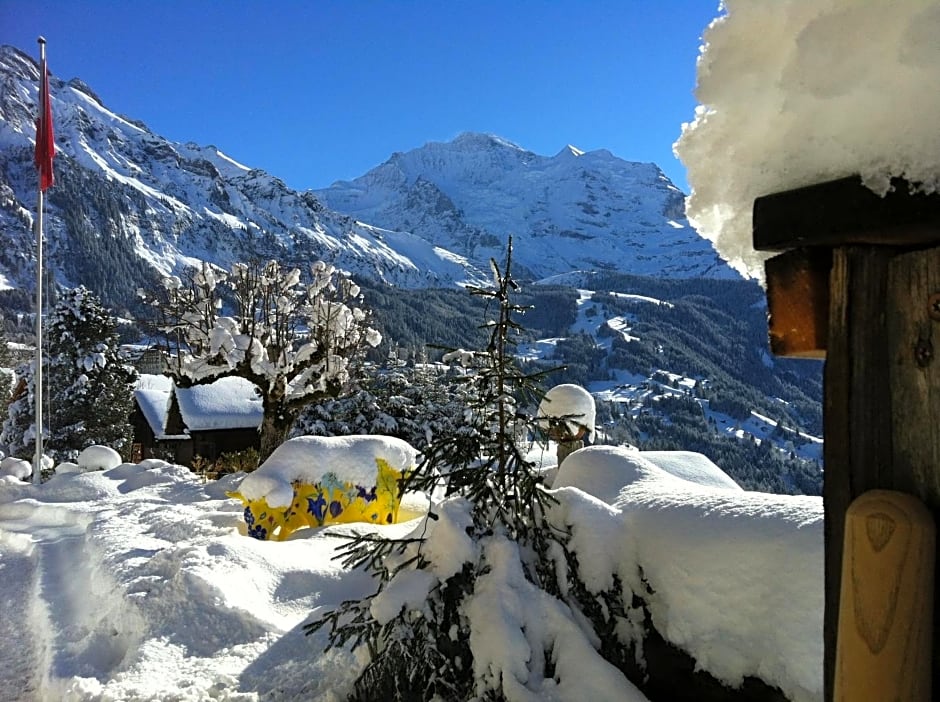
(317, 507)
(254, 530)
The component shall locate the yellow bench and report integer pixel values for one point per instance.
(330, 501)
(315, 481)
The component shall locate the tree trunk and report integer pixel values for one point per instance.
(274, 429)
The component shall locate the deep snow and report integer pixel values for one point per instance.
(797, 92)
(139, 582)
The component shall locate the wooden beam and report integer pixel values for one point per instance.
(843, 212)
(798, 302)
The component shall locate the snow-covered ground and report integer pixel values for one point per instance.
(140, 582)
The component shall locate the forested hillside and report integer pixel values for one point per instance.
(673, 364)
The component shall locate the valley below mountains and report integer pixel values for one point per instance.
(625, 294)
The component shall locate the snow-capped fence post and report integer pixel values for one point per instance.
(859, 285)
(567, 414)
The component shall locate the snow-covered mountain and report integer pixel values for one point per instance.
(571, 211)
(128, 203)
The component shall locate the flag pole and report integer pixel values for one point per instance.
(37, 374)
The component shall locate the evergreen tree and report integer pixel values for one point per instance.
(416, 402)
(424, 648)
(19, 431)
(89, 385)
(6, 366)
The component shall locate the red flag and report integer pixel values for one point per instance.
(45, 143)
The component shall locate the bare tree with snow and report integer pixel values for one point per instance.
(296, 340)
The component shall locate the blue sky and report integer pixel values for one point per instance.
(315, 91)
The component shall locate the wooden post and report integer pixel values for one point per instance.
(567, 441)
(566, 448)
(881, 380)
(885, 620)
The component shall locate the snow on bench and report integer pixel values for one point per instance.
(318, 480)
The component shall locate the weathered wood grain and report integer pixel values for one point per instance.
(843, 212)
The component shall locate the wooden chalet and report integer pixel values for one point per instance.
(178, 424)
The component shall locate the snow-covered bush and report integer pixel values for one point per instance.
(68, 467)
(16, 467)
(99, 458)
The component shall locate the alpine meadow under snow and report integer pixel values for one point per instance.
(141, 581)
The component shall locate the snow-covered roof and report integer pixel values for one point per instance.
(228, 403)
(153, 394)
(797, 92)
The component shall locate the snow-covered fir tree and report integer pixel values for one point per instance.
(7, 365)
(297, 340)
(19, 428)
(87, 381)
(490, 550)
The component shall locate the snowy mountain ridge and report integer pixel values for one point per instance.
(572, 211)
(128, 202)
(129, 206)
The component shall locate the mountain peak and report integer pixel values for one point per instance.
(478, 140)
(157, 206)
(81, 86)
(575, 210)
(19, 62)
(569, 151)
